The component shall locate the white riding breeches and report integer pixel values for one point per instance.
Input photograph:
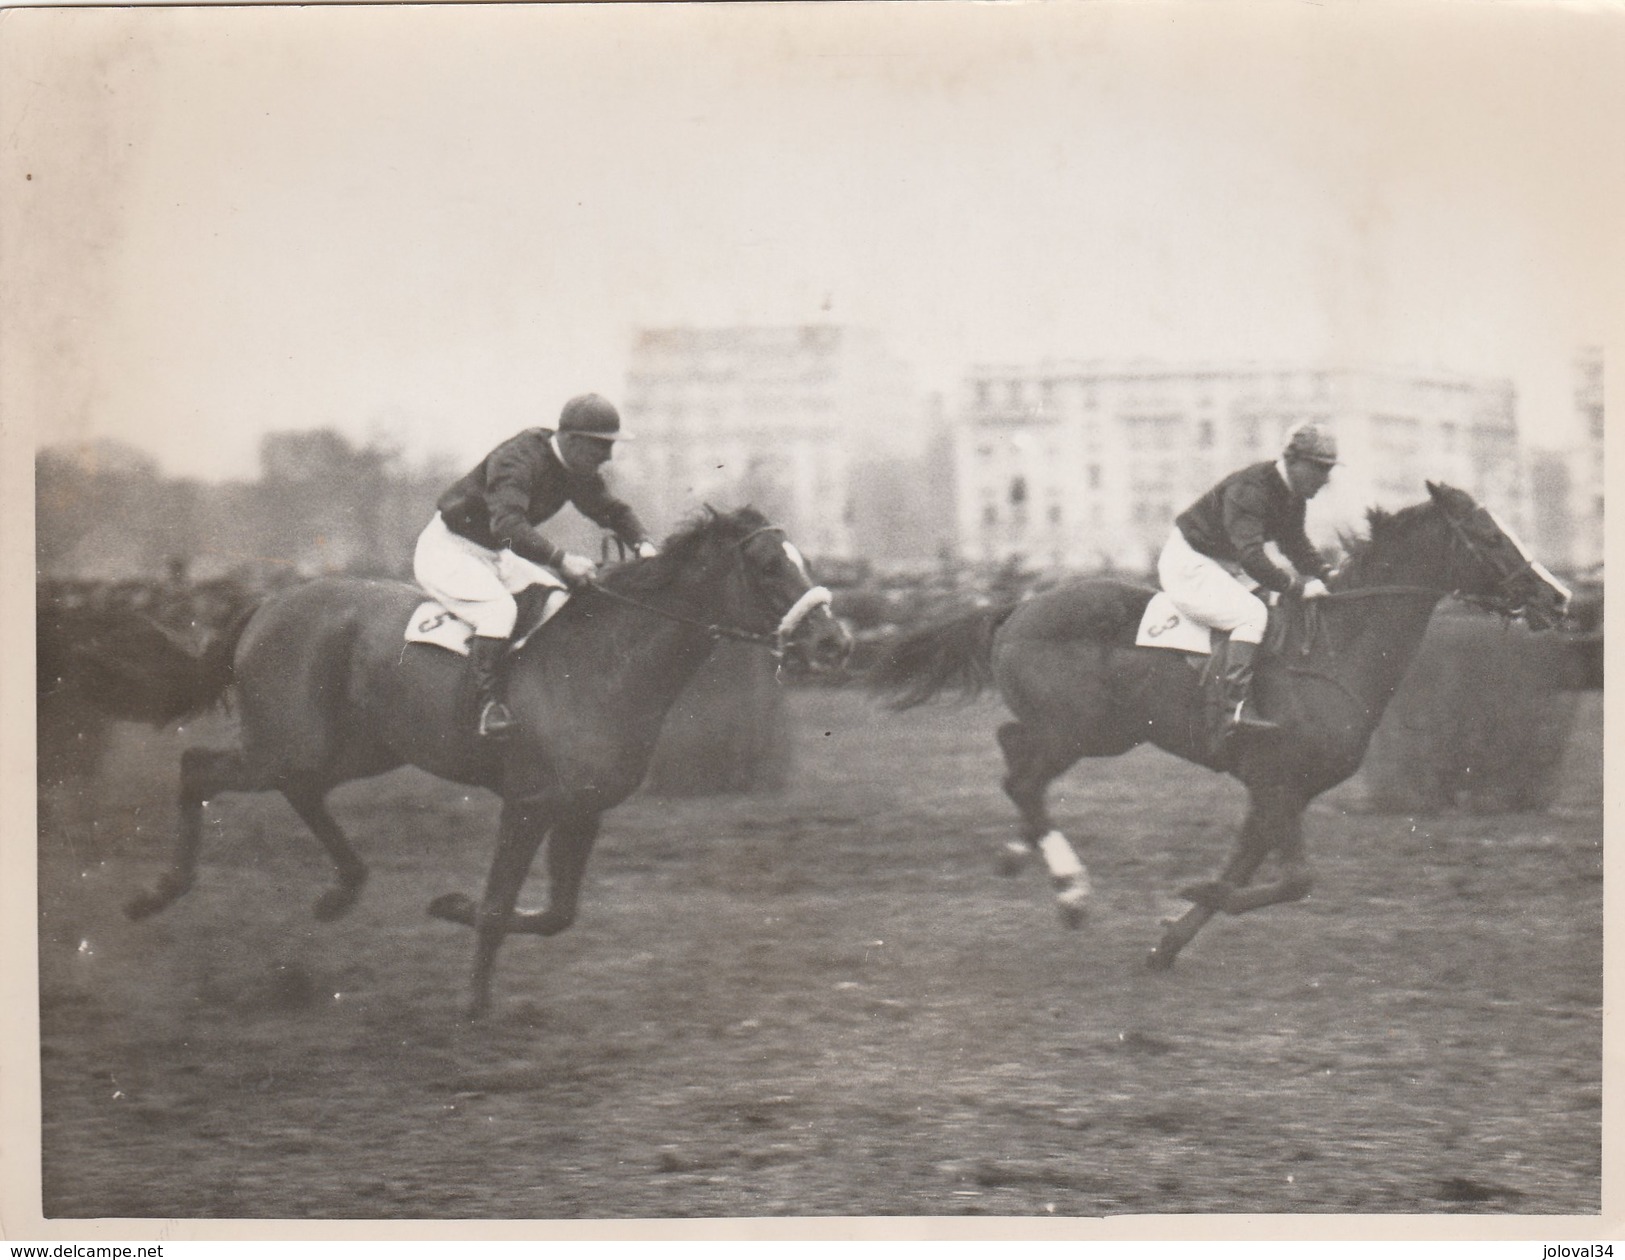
(474, 582)
(1206, 591)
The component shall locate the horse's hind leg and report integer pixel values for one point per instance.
(205, 772)
(309, 800)
(1031, 765)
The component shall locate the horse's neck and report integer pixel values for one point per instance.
(1384, 642)
(1376, 637)
(658, 648)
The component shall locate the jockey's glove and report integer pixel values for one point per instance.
(1314, 588)
(576, 569)
(647, 551)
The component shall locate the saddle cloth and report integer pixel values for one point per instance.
(1164, 626)
(432, 623)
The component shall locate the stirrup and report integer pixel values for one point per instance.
(495, 720)
(1242, 718)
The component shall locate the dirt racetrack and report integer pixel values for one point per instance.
(825, 1002)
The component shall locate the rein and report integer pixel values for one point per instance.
(812, 598)
(715, 630)
(1366, 592)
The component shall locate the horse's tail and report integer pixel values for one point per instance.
(133, 668)
(951, 655)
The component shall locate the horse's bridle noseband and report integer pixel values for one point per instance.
(811, 598)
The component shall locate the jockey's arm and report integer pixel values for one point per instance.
(1244, 522)
(507, 497)
(1297, 548)
(597, 504)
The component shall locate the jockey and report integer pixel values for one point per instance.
(1223, 534)
(483, 546)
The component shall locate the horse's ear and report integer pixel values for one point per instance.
(1435, 491)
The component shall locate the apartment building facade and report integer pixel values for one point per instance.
(778, 417)
(1085, 466)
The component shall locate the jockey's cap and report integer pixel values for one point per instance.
(1311, 441)
(592, 415)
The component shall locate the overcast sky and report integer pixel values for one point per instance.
(437, 223)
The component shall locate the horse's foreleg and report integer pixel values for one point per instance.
(205, 772)
(1252, 847)
(568, 848)
(1031, 766)
(309, 801)
(523, 827)
(1296, 878)
(1274, 823)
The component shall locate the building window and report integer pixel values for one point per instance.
(1055, 514)
(990, 516)
(1094, 476)
(1018, 491)
(983, 394)
(1012, 392)
(1204, 433)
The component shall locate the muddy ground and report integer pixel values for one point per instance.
(825, 1002)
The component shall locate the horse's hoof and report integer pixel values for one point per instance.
(1012, 859)
(142, 906)
(145, 905)
(1160, 959)
(334, 902)
(1212, 894)
(1073, 910)
(454, 908)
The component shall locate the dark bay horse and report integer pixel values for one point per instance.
(328, 691)
(1067, 668)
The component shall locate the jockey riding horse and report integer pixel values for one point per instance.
(483, 545)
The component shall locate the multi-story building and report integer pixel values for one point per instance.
(1084, 466)
(782, 418)
(1589, 478)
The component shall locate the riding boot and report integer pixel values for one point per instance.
(486, 661)
(1239, 711)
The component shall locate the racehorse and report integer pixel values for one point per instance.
(328, 691)
(1066, 666)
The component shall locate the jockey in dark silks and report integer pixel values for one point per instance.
(1223, 534)
(483, 545)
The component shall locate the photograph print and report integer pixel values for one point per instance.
(658, 612)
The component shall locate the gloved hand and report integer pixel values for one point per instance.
(1314, 588)
(647, 550)
(576, 569)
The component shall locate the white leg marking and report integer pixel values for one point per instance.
(1063, 863)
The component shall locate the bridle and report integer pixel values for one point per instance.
(1505, 599)
(775, 641)
(1500, 601)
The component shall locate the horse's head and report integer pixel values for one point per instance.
(778, 595)
(764, 585)
(1489, 566)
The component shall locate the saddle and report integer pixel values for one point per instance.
(432, 623)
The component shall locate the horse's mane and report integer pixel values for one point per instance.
(1367, 553)
(699, 533)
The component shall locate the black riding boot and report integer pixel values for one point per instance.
(486, 659)
(1239, 712)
